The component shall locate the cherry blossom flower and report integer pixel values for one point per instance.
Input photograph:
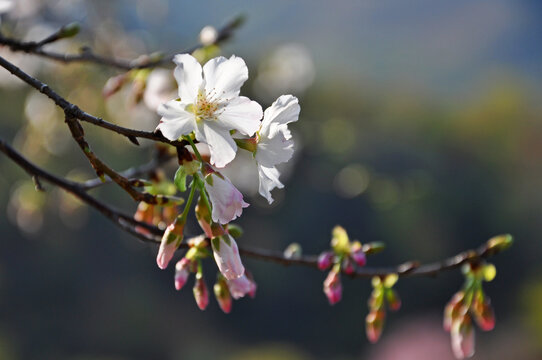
(273, 143)
(209, 105)
(226, 200)
(227, 257)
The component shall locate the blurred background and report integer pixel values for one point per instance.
(421, 127)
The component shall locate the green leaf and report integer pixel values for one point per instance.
(180, 179)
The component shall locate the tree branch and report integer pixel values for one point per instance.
(128, 224)
(87, 55)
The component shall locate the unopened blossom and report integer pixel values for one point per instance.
(374, 323)
(201, 293)
(210, 106)
(357, 253)
(325, 260)
(222, 294)
(227, 257)
(227, 202)
(182, 271)
(170, 242)
(462, 335)
(241, 286)
(333, 287)
(452, 310)
(275, 144)
(483, 312)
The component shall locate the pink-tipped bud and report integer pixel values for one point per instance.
(357, 253)
(333, 287)
(241, 286)
(201, 294)
(452, 310)
(374, 323)
(227, 257)
(170, 242)
(462, 336)
(348, 266)
(204, 218)
(182, 271)
(394, 302)
(114, 84)
(325, 260)
(222, 294)
(483, 313)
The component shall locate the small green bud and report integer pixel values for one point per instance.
(293, 251)
(373, 247)
(235, 230)
(69, 30)
(500, 243)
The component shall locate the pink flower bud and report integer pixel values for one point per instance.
(204, 218)
(201, 294)
(374, 323)
(357, 254)
(452, 310)
(227, 257)
(462, 335)
(241, 286)
(222, 294)
(348, 266)
(182, 271)
(325, 260)
(333, 287)
(170, 242)
(226, 200)
(394, 302)
(483, 312)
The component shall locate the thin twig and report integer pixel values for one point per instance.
(87, 55)
(154, 234)
(76, 112)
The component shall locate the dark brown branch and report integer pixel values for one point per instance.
(76, 112)
(87, 55)
(128, 224)
(130, 173)
(75, 189)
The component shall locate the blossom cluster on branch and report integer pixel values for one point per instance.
(207, 123)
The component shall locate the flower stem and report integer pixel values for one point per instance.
(196, 151)
(184, 215)
(203, 193)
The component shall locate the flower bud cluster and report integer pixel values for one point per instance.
(224, 289)
(344, 256)
(382, 293)
(468, 304)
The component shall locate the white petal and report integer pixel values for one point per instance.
(188, 76)
(269, 179)
(224, 77)
(221, 144)
(241, 114)
(226, 200)
(227, 258)
(283, 111)
(275, 150)
(176, 121)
